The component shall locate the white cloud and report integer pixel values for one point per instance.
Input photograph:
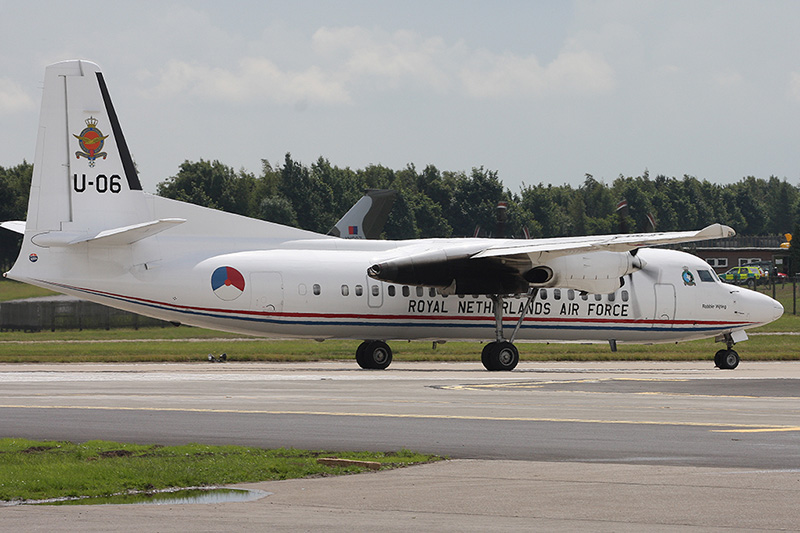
(253, 79)
(496, 76)
(388, 58)
(13, 99)
(350, 61)
(794, 86)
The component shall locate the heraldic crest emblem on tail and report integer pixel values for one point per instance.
(91, 140)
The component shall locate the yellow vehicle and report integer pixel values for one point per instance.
(742, 275)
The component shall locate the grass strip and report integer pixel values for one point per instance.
(758, 348)
(36, 470)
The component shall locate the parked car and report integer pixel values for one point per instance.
(742, 275)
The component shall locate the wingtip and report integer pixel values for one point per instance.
(717, 231)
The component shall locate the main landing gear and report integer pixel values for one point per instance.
(501, 354)
(727, 359)
(375, 355)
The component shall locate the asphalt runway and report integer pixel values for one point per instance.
(612, 415)
(646, 413)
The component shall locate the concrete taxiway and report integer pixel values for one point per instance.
(608, 446)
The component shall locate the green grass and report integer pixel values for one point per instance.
(33, 470)
(14, 290)
(758, 348)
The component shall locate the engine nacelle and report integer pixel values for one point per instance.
(593, 272)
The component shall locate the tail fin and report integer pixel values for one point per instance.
(365, 220)
(86, 201)
(84, 180)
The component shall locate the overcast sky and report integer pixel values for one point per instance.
(539, 91)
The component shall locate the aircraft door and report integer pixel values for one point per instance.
(266, 291)
(665, 304)
(374, 293)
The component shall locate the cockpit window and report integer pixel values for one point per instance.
(705, 275)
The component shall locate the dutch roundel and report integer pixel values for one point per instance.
(227, 283)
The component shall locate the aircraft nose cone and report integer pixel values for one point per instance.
(761, 308)
(777, 310)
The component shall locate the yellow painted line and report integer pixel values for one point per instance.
(740, 427)
(757, 430)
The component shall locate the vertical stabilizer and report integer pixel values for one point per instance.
(366, 219)
(84, 180)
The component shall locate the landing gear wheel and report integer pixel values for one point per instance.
(726, 359)
(500, 355)
(374, 355)
(486, 356)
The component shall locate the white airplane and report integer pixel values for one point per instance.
(93, 233)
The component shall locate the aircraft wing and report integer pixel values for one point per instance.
(612, 243)
(590, 263)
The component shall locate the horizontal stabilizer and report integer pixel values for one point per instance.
(17, 226)
(111, 237)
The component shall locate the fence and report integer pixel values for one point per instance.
(38, 314)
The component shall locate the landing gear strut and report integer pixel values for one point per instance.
(502, 354)
(727, 359)
(375, 355)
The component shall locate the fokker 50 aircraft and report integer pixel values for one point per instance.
(92, 232)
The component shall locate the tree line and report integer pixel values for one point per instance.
(436, 203)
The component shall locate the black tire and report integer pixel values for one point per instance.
(374, 355)
(486, 356)
(751, 283)
(731, 360)
(362, 362)
(726, 359)
(719, 358)
(500, 355)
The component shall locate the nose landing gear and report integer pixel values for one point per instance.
(727, 359)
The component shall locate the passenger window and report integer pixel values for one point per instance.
(571, 294)
(316, 289)
(598, 297)
(705, 275)
(584, 296)
(624, 295)
(391, 290)
(301, 289)
(359, 290)
(420, 292)
(345, 290)
(543, 294)
(432, 292)
(406, 291)
(376, 290)
(612, 297)
(556, 294)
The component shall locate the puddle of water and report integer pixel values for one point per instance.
(167, 497)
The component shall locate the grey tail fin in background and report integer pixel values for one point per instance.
(366, 219)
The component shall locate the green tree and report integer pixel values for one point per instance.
(15, 184)
(212, 184)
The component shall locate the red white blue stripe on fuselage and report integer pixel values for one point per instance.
(395, 322)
